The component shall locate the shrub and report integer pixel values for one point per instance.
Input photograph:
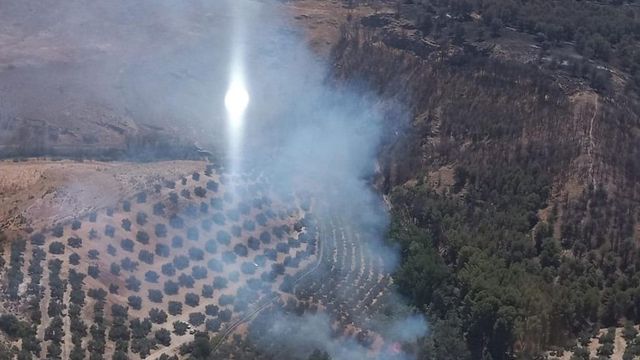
(168, 269)
(218, 218)
(265, 237)
(109, 231)
(236, 230)
(192, 234)
(211, 310)
(229, 257)
(161, 230)
(177, 242)
(192, 299)
(157, 316)
(93, 271)
(151, 276)
(199, 272)
(180, 328)
(211, 246)
(241, 250)
(215, 265)
(248, 268)
(115, 269)
(171, 287)
(126, 205)
(185, 193)
(141, 218)
(226, 299)
(56, 248)
(200, 191)
(254, 244)
(219, 282)
(155, 296)
(212, 185)
(132, 284)
(163, 336)
(75, 225)
(213, 325)
(282, 248)
(176, 222)
(146, 257)
(141, 197)
(163, 250)
(207, 291)
(196, 254)
(175, 308)
(249, 225)
(58, 231)
(186, 280)
(225, 315)
(93, 254)
(127, 245)
(158, 209)
(142, 237)
(196, 318)
(74, 242)
(111, 250)
(217, 203)
(223, 237)
(181, 262)
(74, 259)
(129, 265)
(135, 302)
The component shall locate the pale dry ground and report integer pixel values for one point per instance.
(321, 20)
(40, 193)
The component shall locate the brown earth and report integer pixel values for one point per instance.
(40, 193)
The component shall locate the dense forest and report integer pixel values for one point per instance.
(504, 266)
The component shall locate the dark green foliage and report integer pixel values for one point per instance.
(74, 259)
(186, 280)
(142, 237)
(196, 254)
(127, 245)
(168, 269)
(163, 336)
(129, 265)
(157, 316)
(200, 191)
(161, 230)
(180, 328)
(177, 242)
(199, 272)
(155, 296)
(163, 250)
(192, 299)
(171, 287)
(146, 257)
(56, 248)
(141, 218)
(175, 308)
(93, 271)
(135, 302)
(196, 318)
(132, 283)
(211, 246)
(181, 262)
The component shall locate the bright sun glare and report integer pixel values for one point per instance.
(236, 100)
